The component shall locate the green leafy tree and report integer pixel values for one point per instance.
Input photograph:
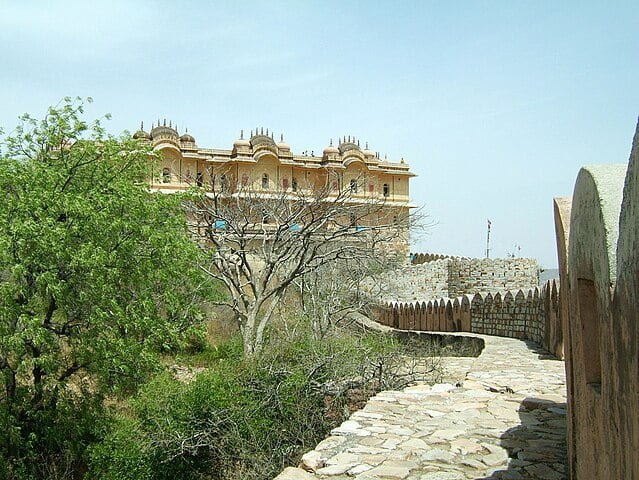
(97, 276)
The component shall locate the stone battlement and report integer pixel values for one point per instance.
(531, 314)
(438, 276)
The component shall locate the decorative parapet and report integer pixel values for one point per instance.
(524, 314)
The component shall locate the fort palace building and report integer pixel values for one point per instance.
(259, 162)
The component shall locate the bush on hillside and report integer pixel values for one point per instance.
(249, 418)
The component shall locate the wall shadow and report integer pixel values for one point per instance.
(537, 447)
(541, 352)
(458, 345)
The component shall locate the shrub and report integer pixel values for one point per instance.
(249, 418)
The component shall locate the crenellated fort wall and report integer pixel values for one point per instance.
(431, 276)
(525, 314)
(598, 248)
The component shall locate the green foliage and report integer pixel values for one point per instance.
(97, 276)
(245, 418)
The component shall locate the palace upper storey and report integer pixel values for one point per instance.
(263, 164)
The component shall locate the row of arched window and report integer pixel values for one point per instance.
(166, 178)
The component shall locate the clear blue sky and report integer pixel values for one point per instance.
(495, 105)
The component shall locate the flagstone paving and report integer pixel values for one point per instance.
(502, 416)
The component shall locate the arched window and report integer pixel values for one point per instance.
(265, 181)
(166, 175)
(386, 190)
(224, 182)
(354, 186)
(285, 183)
(294, 184)
(245, 180)
(198, 179)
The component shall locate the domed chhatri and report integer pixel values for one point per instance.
(331, 150)
(262, 138)
(368, 153)
(163, 131)
(187, 138)
(241, 142)
(282, 145)
(142, 134)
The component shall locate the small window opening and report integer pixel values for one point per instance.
(166, 175)
(354, 186)
(265, 181)
(589, 319)
(385, 190)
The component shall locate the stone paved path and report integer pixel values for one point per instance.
(503, 419)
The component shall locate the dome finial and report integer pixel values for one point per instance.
(358, 143)
(242, 134)
(142, 125)
(281, 138)
(170, 126)
(366, 144)
(331, 142)
(262, 131)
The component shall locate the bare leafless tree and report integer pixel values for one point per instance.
(329, 295)
(262, 241)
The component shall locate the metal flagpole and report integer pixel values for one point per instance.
(488, 241)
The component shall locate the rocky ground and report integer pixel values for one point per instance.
(499, 416)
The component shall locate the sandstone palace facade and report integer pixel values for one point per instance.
(264, 165)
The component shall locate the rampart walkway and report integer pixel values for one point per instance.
(501, 417)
